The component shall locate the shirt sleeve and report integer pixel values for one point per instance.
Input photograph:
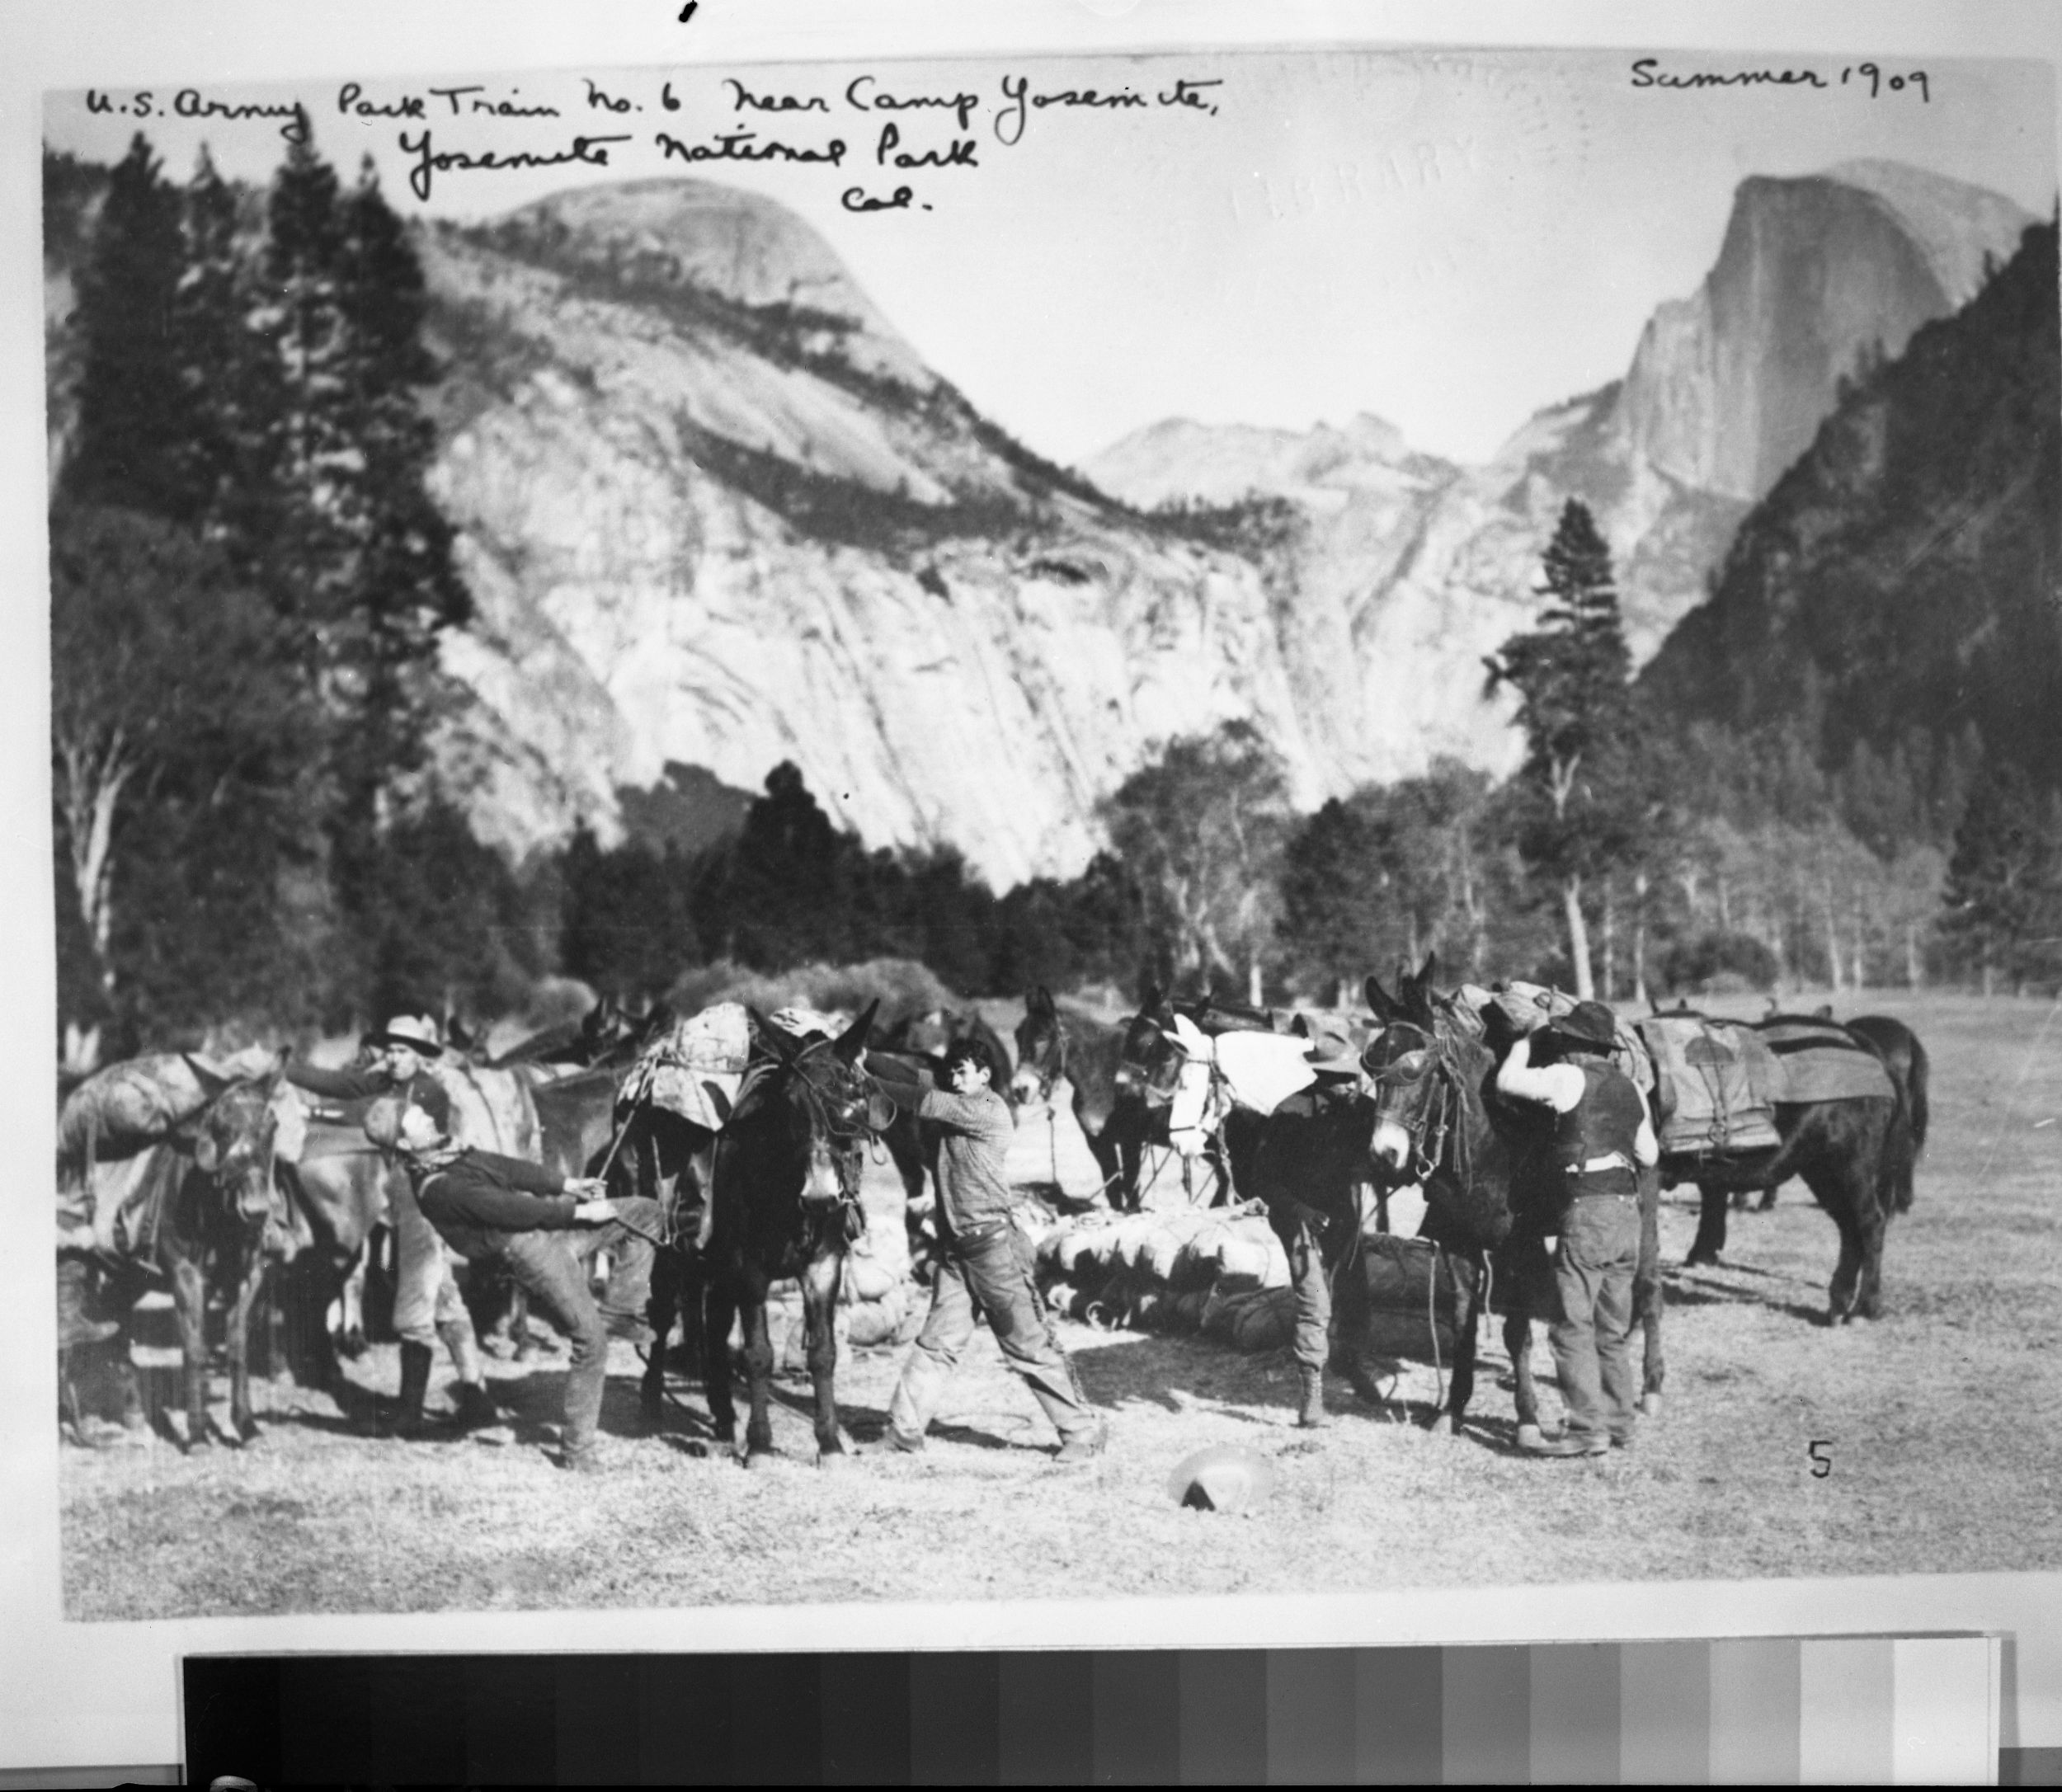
(983, 1116)
(1557, 1086)
(468, 1194)
(520, 1173)
(352, 1083)
(1645, 1147)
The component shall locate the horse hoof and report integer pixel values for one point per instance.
(1530, 1437)
(756, 1460)
(1650, 1403)
(1446, 1425)
(831, 1459)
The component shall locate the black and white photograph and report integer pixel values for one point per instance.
(831, 834)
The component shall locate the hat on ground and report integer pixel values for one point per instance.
(1587, 1027)
(417, 1032)
(1221, 1478)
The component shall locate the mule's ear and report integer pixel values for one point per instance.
(1427, 970)
(1148, 991)
(850, 1043)
(1386, 1006)
(1300, 1027)
(212, 1082)
(1039, 1001)
(774, 1038)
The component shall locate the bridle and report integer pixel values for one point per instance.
(840, 1123)
(1151, 1077)
(1049, 1063)
(1419, 1089)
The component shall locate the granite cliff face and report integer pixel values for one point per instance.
(716, 513)
(1428, 567)
(712, 511)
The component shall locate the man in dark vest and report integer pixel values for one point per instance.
(427, 1303)
(1601, 1136)
(489, 1207)
(988, 1260)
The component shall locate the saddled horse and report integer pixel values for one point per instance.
(1857, 1156)
(1053, 1043)
(778, 1191)
(1485, 1174)
(204, 1206)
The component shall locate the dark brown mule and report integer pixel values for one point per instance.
(209, 1201)
(1481, 1163)
(780, 1186)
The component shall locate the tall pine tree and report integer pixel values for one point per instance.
(131, 447)
(1572, 676)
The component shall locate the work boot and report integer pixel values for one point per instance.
(1083, 1446)
(74, 1328)
(410, 1421)
(476, 1405)
(1571, 1444)
(1311, 1415)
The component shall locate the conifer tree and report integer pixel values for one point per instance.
(227, 371)
(305, 444)
(135, 422)
(1572, 676)
(2004, 893)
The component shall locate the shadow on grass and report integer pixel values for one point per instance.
(1682, 1291)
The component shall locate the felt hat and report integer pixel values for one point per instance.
(417, 1032)
(1587, 1027)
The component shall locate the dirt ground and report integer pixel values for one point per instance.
(1938, 1421)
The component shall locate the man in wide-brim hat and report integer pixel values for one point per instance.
(427, 1306)
(1601, 1137)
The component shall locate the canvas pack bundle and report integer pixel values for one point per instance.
(1816, 1060)
(129, 1106)
(1716, 1087)
(697, 1069)
(1524, 1005)
(1414, 1299)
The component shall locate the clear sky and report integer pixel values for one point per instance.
(1448, 241)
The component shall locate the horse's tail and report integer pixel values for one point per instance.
(1905, 1059)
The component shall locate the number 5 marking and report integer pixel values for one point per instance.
(1821, 1465)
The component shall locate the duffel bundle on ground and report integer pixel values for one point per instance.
(1171, 1270)
(875, 1306)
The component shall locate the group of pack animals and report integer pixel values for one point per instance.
(774, 1195)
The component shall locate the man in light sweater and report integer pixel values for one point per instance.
(988, 1259)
